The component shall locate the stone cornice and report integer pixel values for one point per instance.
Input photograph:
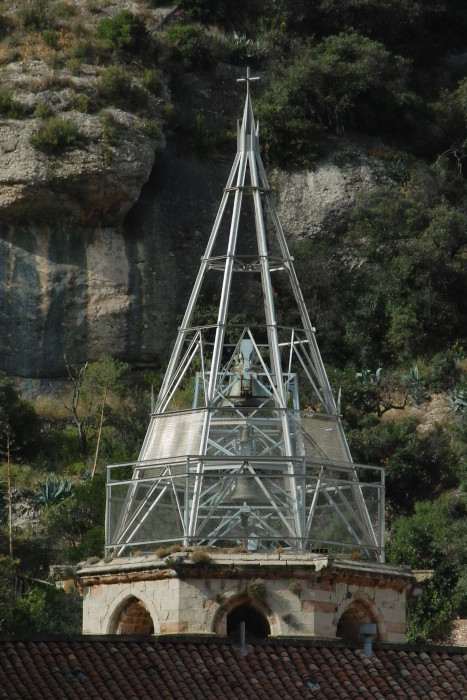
(236, 566)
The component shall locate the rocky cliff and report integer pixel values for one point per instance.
(100, 243)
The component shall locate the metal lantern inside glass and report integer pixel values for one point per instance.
(243, 464)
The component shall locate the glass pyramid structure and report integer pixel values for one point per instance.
(231, 458)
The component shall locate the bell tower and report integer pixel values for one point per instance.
(230, 455)
(245, 465)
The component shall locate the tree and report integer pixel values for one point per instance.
(126, 31)
(345, 81)
(76, 525)
(20, 417)
(76, 376)
(46, 610)
(433, 537)
(92, 385)
(417, 466)
(409, 262)
(104, 376)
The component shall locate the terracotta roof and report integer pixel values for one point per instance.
(150, 668)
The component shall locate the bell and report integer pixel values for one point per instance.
(243, 491)
(247, 491)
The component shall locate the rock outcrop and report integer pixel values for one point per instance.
(317, 203)
(64, 268)
(100, 243)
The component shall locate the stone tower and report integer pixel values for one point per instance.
(243, 505)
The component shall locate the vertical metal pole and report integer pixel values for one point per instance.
(382, 523)
(242, 636)
(107, 514)
(220, 335)
(318, 364)
(175, 357)
(273, 338)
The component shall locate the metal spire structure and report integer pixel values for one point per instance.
(243, 463)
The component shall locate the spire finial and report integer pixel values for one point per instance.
(248, 80)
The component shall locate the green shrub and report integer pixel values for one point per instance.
(117, 87)
(415, 463)
(12, 55)
(93, 7)
(408, 285)
(115, 84)
(433, 537)
(345, 81)
(9, 107)
(47, 610)
(242, 12)
(152, 130)
(125, 31)
(109, 126)
(22, 420)
(295, 586)
(38, 15)
(43, 110)
(91, 545)
(74, 65)
(50, 37)
(55, 135)
(65, 10)
(168, 111)
(153, 81)
(84, 50)
(190, 43)
(6, 25)
(445, 370)
(81, 103)
(77, 523)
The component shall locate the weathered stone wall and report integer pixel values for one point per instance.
(199, 603)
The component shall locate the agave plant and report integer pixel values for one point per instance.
(53, 490)
(368, 377)
(416, 385)
(458, 400)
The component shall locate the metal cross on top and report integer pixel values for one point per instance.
(248, 80)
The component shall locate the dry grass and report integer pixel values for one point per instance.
(51, 406)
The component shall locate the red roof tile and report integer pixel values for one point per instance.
(149, 668)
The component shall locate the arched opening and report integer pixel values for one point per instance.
(256, 625)
(348, 628)
(132, 618)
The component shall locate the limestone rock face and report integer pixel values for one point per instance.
(100, 244)
(318, 202)
(64, 267)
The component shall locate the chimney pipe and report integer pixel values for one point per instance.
(368, 630)
(242, 637)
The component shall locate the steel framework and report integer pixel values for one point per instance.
(244, 464)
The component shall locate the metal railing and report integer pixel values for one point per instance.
(258, 503)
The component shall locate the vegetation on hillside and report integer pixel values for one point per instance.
(388, 294)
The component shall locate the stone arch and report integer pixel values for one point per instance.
(355, 611)
(260, 621)
(131, 613)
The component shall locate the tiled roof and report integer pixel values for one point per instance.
(149, 669)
